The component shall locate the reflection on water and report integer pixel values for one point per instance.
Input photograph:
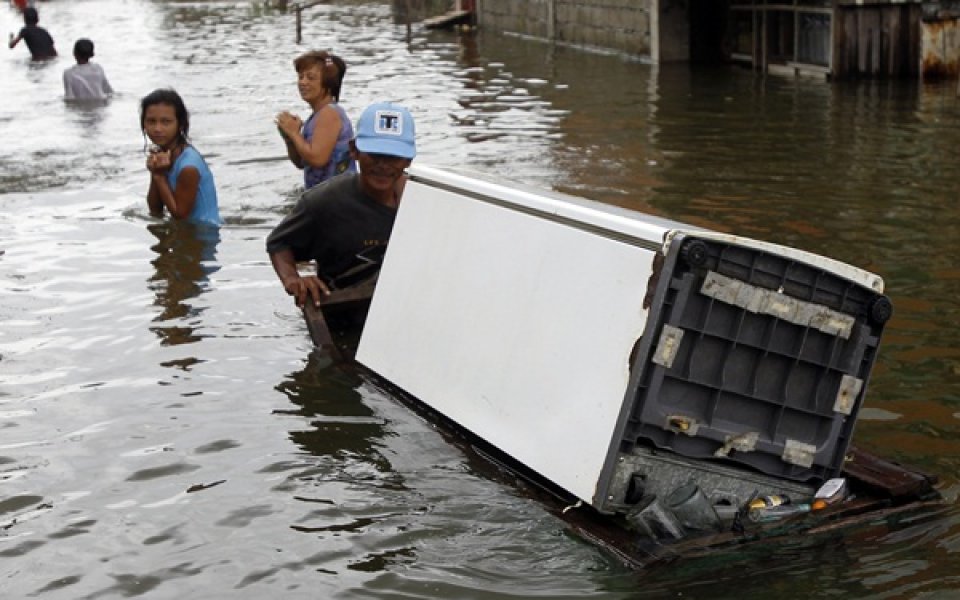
(136, 461)
(186, 258)
(88, 114)
(344, 427)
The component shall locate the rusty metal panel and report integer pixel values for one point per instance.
(940, 48)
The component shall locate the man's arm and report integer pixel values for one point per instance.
(67, 88)
(107, 88)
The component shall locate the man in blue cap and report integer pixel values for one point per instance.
(344, 223)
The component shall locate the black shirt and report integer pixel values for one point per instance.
(38, 41)
(338, 226)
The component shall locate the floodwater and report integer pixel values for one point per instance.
(166, 431)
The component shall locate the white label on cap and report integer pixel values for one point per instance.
(388, 122)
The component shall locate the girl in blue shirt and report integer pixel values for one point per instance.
(180, 180)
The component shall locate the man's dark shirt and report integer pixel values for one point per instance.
(38, 41)
(336, 225)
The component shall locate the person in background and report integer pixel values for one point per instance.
(321, 146)
(37, 38)
(180, 180)
(344, 223)
(85, 80)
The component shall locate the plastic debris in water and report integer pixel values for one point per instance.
(775, 513)
(768, 501)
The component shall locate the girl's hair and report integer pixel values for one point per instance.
(172, 98)
(331, 66)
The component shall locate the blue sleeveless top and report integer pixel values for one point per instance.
(340, 159)
(205, 209)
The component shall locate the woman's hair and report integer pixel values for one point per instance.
(30, 16)
(172, 98)
(331, 66)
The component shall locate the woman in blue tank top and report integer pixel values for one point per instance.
(321, 146)
(180, 180)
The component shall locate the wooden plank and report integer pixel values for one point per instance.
(887, 40)
(914, 40)
(320, 331)
(867, 24)
(848, 53)
(866, 517)
(361, 291)
(887, 478)
(638, 552)
(302, 5)
(316, 319)
(449, 19)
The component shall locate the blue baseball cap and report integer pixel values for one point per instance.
(386, 128)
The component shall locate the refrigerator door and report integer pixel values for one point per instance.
(514, 314)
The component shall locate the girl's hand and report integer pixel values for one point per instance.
(158, 163)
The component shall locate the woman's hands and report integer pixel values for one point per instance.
(289, 124)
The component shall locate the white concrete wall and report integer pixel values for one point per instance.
(624, 25)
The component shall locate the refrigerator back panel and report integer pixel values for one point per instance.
(753, 357)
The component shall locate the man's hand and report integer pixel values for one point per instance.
(302, 288)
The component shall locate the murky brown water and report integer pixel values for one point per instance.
(166, 432)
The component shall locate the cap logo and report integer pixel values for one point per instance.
(388, 122)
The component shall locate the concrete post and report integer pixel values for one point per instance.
(299, 22)
(552, 20)
(655, 31)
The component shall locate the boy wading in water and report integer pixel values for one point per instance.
(38, 40)
(85, 80)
